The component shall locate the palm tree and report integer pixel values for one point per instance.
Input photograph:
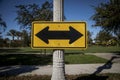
(89, 37)
(107, 16)
(18, 35)
(2, 23)
(25, 38)
(12, 33)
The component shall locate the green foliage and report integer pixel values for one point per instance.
(18, 35)
(25, 38)
(25, 59)
(97, 49)
(26, 14)
(103, 37)
(107, 16)
(82, 59)
(2, 24)
(12, 33)
(1, 42)
(109, 76)
(89, 39)
(101, 49)
(40, 59)
(22, 38)
(91, 49)
(112, 42)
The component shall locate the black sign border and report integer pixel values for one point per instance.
(32, 41)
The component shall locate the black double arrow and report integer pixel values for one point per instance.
(72, 35)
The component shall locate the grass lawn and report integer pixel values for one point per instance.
(83, 59)
(101, 49)
(71, 56)
(38, 59)
(97, 49)
(91, 49)
(23, 50)
(69, 77)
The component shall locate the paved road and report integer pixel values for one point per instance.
(75, 69)
(108, 56)
(70, 69)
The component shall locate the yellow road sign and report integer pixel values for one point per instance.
(59, 35)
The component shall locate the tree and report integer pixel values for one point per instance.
(103, 37)
(12, 33)
(89, 37)
(25, 38)
(18, 35)
(107, 16)
(2, 23)
(26, 14)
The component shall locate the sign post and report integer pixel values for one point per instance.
(58, 35)
(58, 55)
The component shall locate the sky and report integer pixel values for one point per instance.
(74, 10)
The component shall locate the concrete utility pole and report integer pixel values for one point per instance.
(58, 55)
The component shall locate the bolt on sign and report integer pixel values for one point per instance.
(59, 35)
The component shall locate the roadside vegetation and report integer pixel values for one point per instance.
(90, 49)
(40, 59)
(69, 77)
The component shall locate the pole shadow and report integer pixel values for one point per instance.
(15, 64)
(107, 65)
(15, 70)
(95, 76)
